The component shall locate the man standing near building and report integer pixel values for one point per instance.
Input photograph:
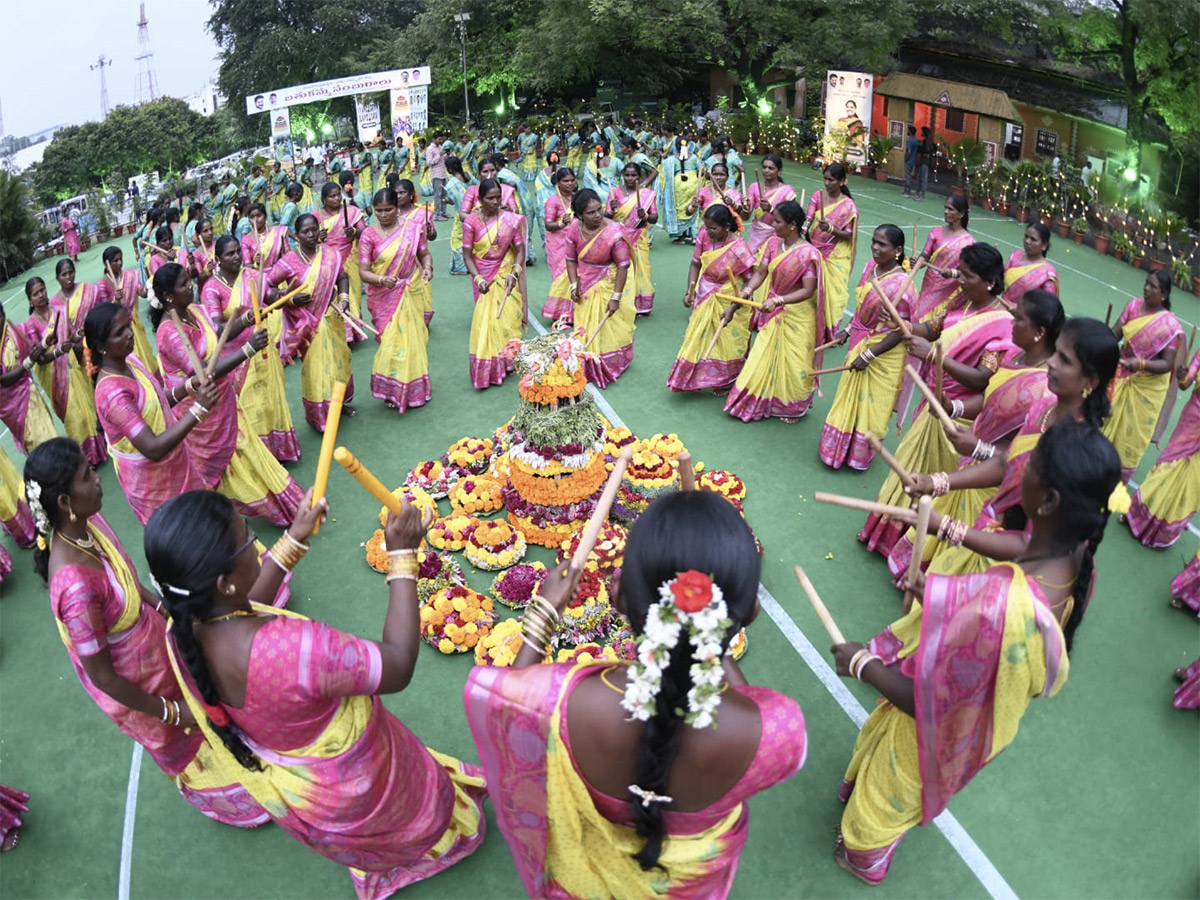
(911, 147)
(925, 160)
(435, 158)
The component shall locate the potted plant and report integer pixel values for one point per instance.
(1122, 246)
(1080, 227)
(881, 146)
(1181, 271)
(966, 155)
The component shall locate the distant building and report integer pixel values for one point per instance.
(207, 101)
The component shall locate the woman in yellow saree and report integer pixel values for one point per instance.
(833, 230)
(301, 717)
(636, 208)
(958, 672)
(1150, 332)
(618, 781)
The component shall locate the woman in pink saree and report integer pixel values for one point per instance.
(976, 338)
(1151, 333)
(721, 263)
(557, 215)
(635, 209)
(494, 253)
(341, 225)
(263, 245)
(599, 254)
(1028, 269)
(833, 230)
(313, 328)
(301, 717)
(940, 288)
(775, 380)
(22, 409)
(761, 200)
(70, 234)
(115, 633)
(145, 436)
(395, 263)
(71, 391)
(958, 672)
(16, 520)
(233, 293)
(596, 802)
(228, 454)
(1166, 501)
(1185, 587)
(124, 286)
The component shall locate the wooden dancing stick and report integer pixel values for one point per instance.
(924, 508)
(903, 513)
(713, 343)
(887, 302)
(742, 301)
(816, 372)
(111, 277)
(826, 345)
(894, 464)
(603, 505)
(364, 477)
(509, 283)
(197, 367)
(687, 472)
(599, 328)
(929, 395)
(835, 633)
(939, 358)
(742, 175)
(915, 251)
(221, 341)
(762, 190)
(336, 398)
(158, 249)
(283, 301)
(50, 335)
(1108, 315)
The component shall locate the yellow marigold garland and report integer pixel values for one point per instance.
(476, 496)
(562, 490)
(454, 620)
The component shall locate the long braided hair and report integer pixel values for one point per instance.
(190, 542)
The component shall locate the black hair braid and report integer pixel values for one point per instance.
(51, 466)
(183, 618)
(1097, 407)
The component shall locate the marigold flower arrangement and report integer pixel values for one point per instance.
(413, 495)
(649, 475)
(560, 490)
(722, 482)
(621, 639)
(376, 552)
(589, 613)
(470, 455)
(517, 585)
(668, 446)
(502, 439)
(451, 533)
(500, 646)
(553, 385)
(609, 552)
(586, 653)
(494, 545)
(476, 496)
(438, 571)
(498, 469)
(430, 476)
(454, 620)
(615, 440)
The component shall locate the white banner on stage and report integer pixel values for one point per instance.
(848, 107)
(368, 120)
(373, 82)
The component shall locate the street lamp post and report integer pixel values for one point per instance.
(461, 19)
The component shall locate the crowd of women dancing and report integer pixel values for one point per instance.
(1020, 423)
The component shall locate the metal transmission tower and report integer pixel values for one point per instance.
(102, 64)
(147, 84)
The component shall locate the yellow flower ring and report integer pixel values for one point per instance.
(451, 533)
(722, 482)
(413, 495)
(552, 386)
(549, 536)
(666, 445)
(501, 645)
(494, 545)
(470, 454)
(476, 496)
(456, 619)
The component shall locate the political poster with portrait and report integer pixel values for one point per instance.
(849, 97)
(418, 99)
(402, 114)
(368, 120)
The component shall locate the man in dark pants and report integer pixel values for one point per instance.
(925, 160)
(911, 146)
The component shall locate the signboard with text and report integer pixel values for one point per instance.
(373, 82)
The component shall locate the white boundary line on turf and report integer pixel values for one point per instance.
(958, 838)
(131, 793)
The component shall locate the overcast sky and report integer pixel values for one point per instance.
(51, 43)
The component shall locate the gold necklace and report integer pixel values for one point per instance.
(307, 260)
(84, 545)
(236, 614)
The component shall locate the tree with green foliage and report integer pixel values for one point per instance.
(163, 135)
(20, 231)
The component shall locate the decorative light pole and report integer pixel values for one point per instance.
(461, 19)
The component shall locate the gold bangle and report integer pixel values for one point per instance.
(538, 625)
(537, 601)
(286, 552)
(303, 548)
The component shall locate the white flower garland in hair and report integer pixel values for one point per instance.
(694, 602)
(33, 498)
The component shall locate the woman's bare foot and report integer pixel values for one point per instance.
(789, 420)
(348, 410)
(11, 840)
(839, 857)
(1180, 674)
(1177, 603)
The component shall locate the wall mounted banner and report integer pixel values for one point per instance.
(402, 124)
(848, 107)
(373, 82)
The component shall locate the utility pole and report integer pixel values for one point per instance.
(102, 64)
(461, 19)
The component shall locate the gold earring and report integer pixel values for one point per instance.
(70, 512)
(230, 589)
(1086, 392)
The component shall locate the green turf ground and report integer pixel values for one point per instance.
(1098, 797)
